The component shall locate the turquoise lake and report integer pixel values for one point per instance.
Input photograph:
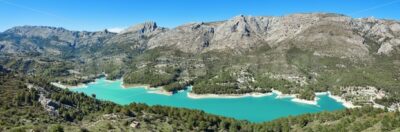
(254, 109)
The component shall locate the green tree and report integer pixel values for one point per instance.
(56, 128)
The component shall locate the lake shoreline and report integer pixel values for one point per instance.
(63, 86)
(347, 104)
(294, 98)
(304, 101)
(135, 86)
(228, 96)
(161, 92)
(124, 85)
(152, 90)
(260, 107)
(280, 95)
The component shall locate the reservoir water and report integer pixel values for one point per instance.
(254, 109)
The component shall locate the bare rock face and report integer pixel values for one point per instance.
(328, 34)
(240, 32)
(192, 37)
(387, 47)
(142, 28)
(324, 33)
(135, 37)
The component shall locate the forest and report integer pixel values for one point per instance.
(21, 110)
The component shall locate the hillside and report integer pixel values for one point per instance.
(357, 59)
(32, 104)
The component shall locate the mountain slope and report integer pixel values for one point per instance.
(240, 33)
(49, 40)
(357, 59)
(32, 104)
(246, 32)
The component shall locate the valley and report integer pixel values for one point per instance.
(355, 60)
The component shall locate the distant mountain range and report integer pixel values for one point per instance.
(348, 37)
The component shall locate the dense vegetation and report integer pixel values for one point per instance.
(21, 110)
(296, 71)
(334, 73)
(258, 70)
(222, 72)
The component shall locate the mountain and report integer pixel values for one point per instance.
(134, 38)
(297, 54)
(240, 33)
(48, 40)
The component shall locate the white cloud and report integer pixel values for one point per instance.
(116, 29)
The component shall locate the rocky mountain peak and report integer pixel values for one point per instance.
(312, 31)
(36, 31)
(142, 28)
(306, 30)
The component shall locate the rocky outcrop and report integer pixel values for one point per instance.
(327, 34)
(143, 28)
(49, 105)
(135, 37)
(387, 47)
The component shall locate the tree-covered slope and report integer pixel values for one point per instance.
(32, 104)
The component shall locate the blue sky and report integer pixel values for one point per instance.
(93, 15)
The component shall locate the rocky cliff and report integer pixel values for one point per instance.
(331, 34)
(326, 34)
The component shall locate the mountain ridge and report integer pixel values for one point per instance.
(239, 33)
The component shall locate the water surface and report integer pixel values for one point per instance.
(255, 109)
